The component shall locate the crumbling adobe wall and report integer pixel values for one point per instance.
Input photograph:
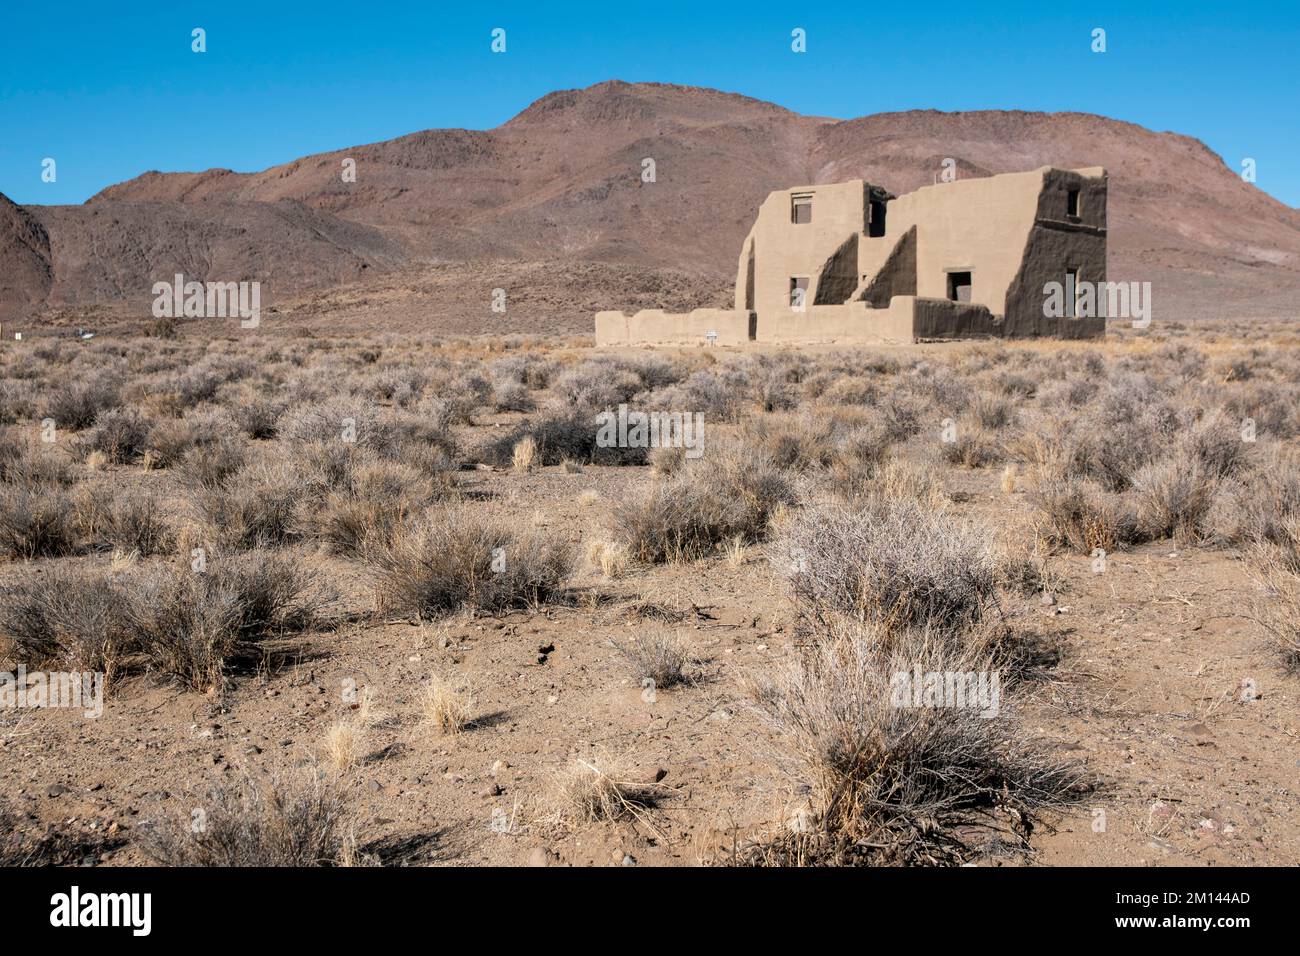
(657, 327)
(783, 250)
(852, 323)
(945, 319)
(1056, 243)
(975, 225)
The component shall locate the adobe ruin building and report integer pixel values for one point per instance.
(851, 263)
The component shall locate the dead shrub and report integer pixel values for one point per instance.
(1173, 499)
(891, 781)
(36, 524)
(259, 507)
(24, 463)
(259, 418)
(133, 522)
(897, 564)
(851, 390)
(1082, 516)
(210, 465)
(795, 442)
(192, 626)
(562, 433)
(75, 619)
(121, 435)
(452, 557)
(691, 513)
(76, 406)
(254, 823)
(1277, 610)
(376, 499)
(512, 397)
(658, 659)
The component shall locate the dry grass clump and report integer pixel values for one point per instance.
(597, 790)
(658, 659)
(453, 557)
(264, 823)
(524, 452)
(731, 493)
(891, 782)
(610, 557)
(345, 739)
(897, 564)
(973, 445)
(446, 706)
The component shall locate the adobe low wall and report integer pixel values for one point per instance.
(907, 319)
(657, 327)
(852, 322)
(945, 319)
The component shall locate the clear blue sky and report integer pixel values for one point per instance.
(111, 89)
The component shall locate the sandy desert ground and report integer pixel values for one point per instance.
(386, 600)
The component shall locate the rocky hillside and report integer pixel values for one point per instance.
(557, 194)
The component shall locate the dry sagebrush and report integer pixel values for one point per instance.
(454, 557)
(897, 564)
(280, 823)
(888, 782)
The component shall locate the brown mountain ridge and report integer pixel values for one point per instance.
(551, 206)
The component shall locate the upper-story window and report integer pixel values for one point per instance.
(1072, 203)
(801, 209)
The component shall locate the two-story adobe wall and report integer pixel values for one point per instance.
(778, 249)
(978, 226)
(1061, 242)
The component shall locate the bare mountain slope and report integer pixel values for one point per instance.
(560, 187)
(26, 272)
